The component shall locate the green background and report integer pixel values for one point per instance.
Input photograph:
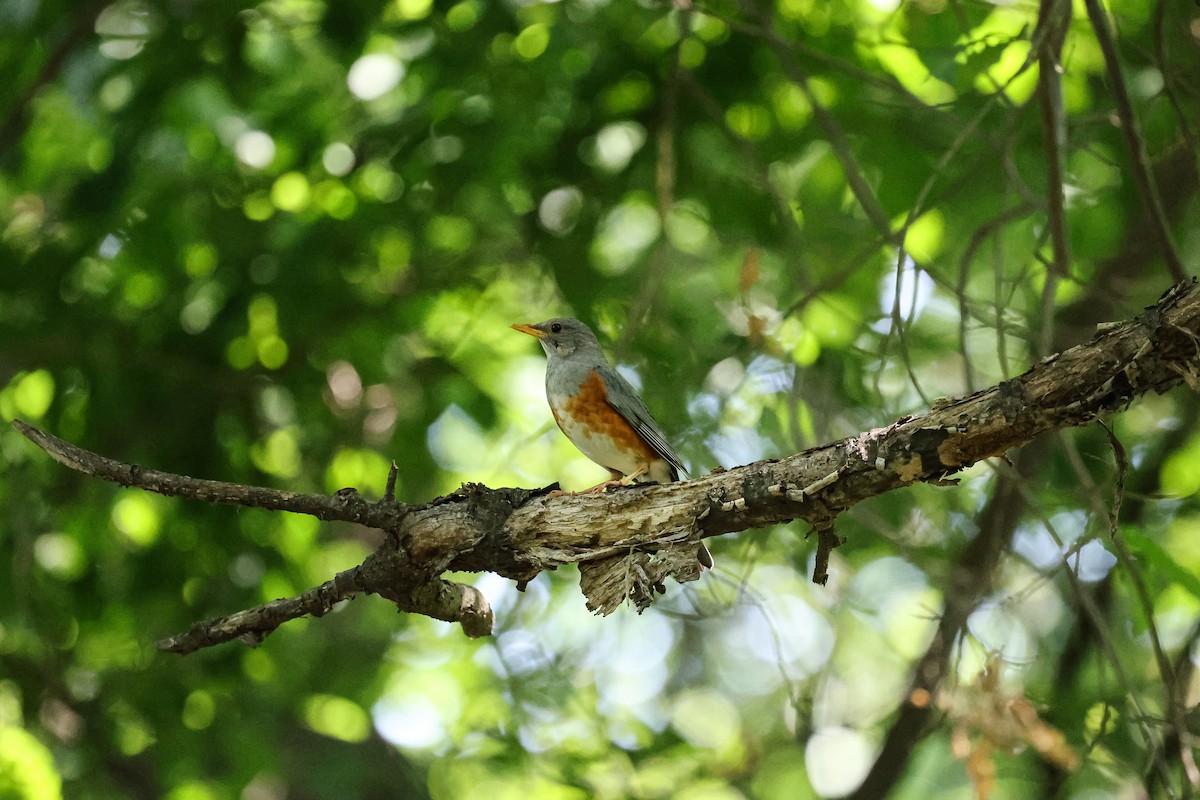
(281, 243)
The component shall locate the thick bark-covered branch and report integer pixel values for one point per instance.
(630, 541)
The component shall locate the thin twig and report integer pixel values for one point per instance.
(252, 625)
(1176, 700)
(967, 582)
(901, 322)
(978, 237)
(346, 505)
(1168, 75)
(709, 106)
(829, 127)
(1139, 158)
(665, 176)
(1055, 17)
(1092, 610)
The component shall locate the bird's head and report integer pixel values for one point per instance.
(562, 336)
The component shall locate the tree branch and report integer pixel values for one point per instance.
(830, 129)
(628, 542)
(78, 34)
(346, 505)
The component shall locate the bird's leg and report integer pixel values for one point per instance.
(602, 486)
(633, 476)
(617, 480)
(599, 488)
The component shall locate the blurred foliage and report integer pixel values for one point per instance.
(282, 242)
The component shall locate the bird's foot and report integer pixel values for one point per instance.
(603, 486)
(632, 477)
(599, 488)
(617, 481)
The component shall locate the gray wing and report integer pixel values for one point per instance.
(625, 400)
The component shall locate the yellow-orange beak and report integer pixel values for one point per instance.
(526, 328)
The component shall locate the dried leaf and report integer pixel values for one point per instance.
(982, 769)
(987, 719)
(750, 272)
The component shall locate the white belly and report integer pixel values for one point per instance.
(600, 448)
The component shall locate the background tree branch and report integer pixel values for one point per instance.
(972, 576)
(1139, 158)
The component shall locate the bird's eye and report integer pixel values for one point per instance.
(556, 328)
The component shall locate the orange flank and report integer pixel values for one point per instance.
(591, 410)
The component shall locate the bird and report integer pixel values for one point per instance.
(600, 413)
